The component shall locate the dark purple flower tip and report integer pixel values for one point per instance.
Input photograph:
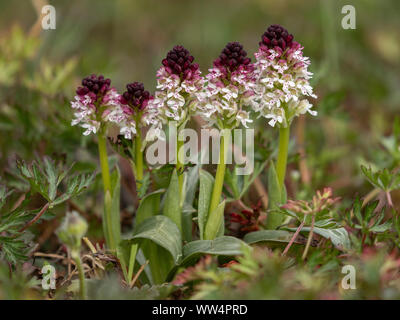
(232, 57)
(94, 84)
(180, 62)
(276, 36)
(135, 96)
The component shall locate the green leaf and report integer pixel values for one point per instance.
(164, 232)
(248, 180)
(270, 236)
(277, 196)
(160, 261)
(215, 223)
(144, 185)
(111, 218)
(172, 208)
(187, 221)
(13, 249)
(192, 180)
(75, 186)
(161, 242)
(357, 210)
(380, 228)
(149, 206)
(51, 178)
(223, 246)
(339, 237)
(382, 179)
(206, 185)
(4, 194)
(231, 179)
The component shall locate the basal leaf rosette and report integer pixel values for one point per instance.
(228, 88)
(282, 78)
(94, 104)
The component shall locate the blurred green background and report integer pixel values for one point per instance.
(357, 76)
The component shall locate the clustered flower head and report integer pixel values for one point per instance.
(282, 78)
(276, 86)
(321, 202)
(132, 110)
(94, 102)
(232, 57)
(178, 80)
(229, 85)
(180, 62)
(276, 36)
(135, 97)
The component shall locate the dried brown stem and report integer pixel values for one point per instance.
(138, 274)
(36, 218)
(310, 236)
(293, 238)
(389, 199)
(371, 195)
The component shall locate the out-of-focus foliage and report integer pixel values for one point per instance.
(40, 179)
(262, 274)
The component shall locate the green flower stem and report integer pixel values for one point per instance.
(284, 135)
(219, 177)
(105, 171)
(132, 259)
(138, 156)
(179, 165)
(82, 286)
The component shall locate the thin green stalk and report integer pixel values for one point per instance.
(105, 171)
(132, 258)
(82, 286)
(284, 135)
(179, 164)
(138, 156)
(219, 177)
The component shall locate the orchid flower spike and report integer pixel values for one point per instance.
(282, 78)
(94, 103)
(229, 86)
(178, 81)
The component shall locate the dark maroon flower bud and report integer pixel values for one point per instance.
(180, 62)
(96, 85)
(276, 36)
(232, 56)
(81, 91)
(135, 96)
